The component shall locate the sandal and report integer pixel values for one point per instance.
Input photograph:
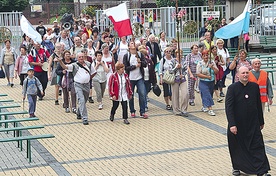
(168, 107)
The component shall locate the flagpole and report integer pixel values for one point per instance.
(177, 31)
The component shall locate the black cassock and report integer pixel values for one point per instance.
(244, 110)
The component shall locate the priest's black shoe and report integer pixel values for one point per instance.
(111, 118)
(85, 122)
(126, 122)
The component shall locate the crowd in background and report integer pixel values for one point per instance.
(146, 61)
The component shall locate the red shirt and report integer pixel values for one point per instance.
(41, 58)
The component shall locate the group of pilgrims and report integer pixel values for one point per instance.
(83, 59)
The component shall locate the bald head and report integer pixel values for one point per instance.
(243, 74)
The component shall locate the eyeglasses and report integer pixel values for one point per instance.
(168, 51)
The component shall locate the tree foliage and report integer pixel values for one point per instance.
(181, 3)
(13, 5)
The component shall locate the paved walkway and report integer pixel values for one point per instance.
(164, 144)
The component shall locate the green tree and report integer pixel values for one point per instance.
(13, 5)
(181, 3)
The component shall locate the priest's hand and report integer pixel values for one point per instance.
(234, 130)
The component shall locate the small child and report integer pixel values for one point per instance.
(30, 87)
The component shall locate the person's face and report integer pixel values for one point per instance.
(132, 45)
(67, 55)
(57, 47)
(214, 51)
(168, 52)
(242, 55)
(257, 65)
(106, 49)
(80, 57)
(84, 53)
(208, 36)
(37, 46)
(106, 39)
(205, 57)
(50, 32)
(144, 42)
(89, 43)
(77, 41)
(88, 26)
(22, 51)
(84, 37)
(223, 21)
(99, 57)
(123, 38)
(162, 35)
(95, 33)
(243, 74)
(8, 44)
(121, 70)
(64, 34)
(152, 39)
(195, 50)
(30, 73)
(220, 45)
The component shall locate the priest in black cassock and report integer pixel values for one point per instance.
(245, 122)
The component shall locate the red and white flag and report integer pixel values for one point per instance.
(120, 19)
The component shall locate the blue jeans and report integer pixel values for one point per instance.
(142, 95)
(32, 103)
(147, 89)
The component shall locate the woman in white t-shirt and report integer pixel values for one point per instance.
(226, 58)
(108, 59)
(165, 64)
(90, 48)
(122, 49)
(100, 79)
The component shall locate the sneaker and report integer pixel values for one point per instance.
(59, 92)
(100, 106)
(219, 100)
(146, 109)
(85, 122)
(204, 109)
(221, 94)
(12, 84)
(32, 115)
(145, 116)
(211, 113)
(67, 110)
(192, 104)
(236, 172)
(168, 107)
(56, 102)
(197, 90)
(8, 84)
(74, 110)
(132, 115)
(148, 99)
(90, 100)
(40, 98)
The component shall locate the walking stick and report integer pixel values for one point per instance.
(23, 104)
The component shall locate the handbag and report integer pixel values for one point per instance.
(168, 77)
(156, 90)
(2, 74)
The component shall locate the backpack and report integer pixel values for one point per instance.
(28, 81)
